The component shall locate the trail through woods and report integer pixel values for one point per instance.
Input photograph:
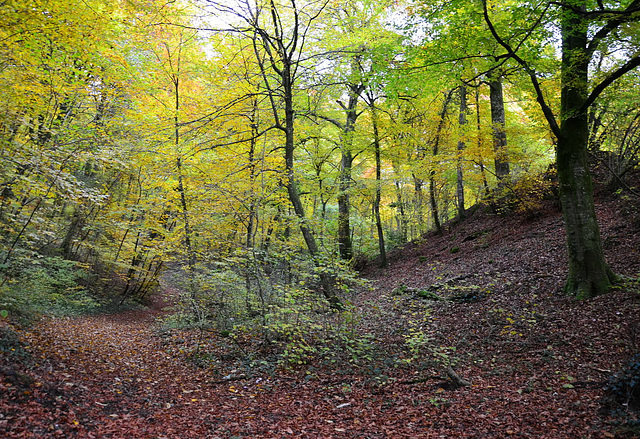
(538, 361)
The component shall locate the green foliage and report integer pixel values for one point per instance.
(11, 346)
(530, 190)
(273, 299)
(429, 295)
(525, 194)
(422, 347)
(35, 284)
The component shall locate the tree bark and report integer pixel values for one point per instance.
(462, 121)
(496, 97)
(589, 274)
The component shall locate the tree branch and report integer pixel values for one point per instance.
(627, 15)
(546, 110)
(598, 89)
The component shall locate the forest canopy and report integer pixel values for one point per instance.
(266, 149)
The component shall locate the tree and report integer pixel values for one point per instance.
(496, 97)
(583, 30)
(278, 33)
(356, 45)
(462, 121)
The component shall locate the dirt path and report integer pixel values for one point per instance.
(109, 376)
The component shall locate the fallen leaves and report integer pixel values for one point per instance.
(114, 376)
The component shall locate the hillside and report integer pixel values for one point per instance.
(485, 298)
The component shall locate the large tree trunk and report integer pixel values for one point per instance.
(496, 98)
(589, 274)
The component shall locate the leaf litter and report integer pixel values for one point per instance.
(538, 361)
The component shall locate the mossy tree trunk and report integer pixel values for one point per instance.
(589, 274)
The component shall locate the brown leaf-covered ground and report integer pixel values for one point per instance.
(538, 361)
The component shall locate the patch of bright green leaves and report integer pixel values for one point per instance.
(44, 285)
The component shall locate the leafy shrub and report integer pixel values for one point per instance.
(526, 193)
(34, 284)
(274, 301)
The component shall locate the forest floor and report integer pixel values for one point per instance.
(538, 361)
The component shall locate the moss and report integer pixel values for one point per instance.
(429, 295)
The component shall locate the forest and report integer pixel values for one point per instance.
(319, 218)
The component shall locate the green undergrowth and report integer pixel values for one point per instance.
(11, 347)
(270, 312)
(34, 284)
(299, 332)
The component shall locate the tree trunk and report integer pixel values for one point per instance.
(76, 223)
(326, 280)
(589, 274)
(182, 190)
(278, 52)
(345, 246)
(496, 98)
(418, 203)
(253, 175)
(344, 217)
(376, 202)
(483, 172)
(436, 146)
(462, 121)
(401, 216)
